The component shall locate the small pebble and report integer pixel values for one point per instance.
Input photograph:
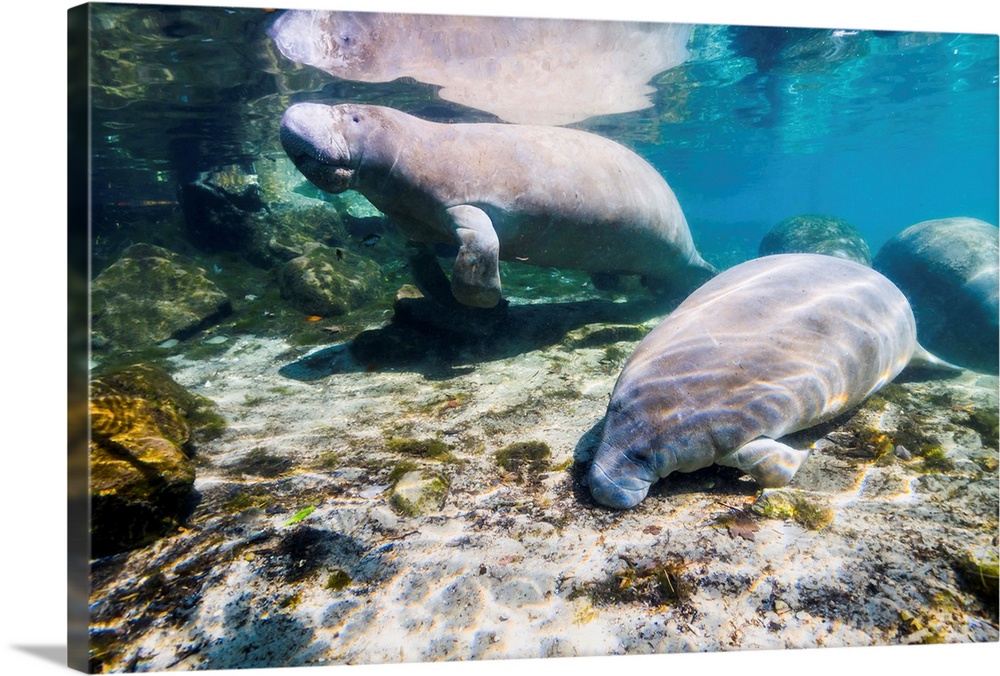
(903, 453)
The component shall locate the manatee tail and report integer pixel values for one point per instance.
(922, 359)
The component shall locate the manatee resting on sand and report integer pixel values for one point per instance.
(948, 269)
(771, 346)
(541, 195)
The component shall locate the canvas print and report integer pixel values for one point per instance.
(413, 337)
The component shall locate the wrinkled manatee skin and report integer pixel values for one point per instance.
(766, 348)
(544, 196)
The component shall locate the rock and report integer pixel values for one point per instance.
(812, 233)
(419, 492)
(329, 281)
(216, 205)
(141, 475)
(412, 309)
(151, 295)
(949, 272)
(601, 335)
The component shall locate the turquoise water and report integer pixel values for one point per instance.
(882, 129)
(897, 129)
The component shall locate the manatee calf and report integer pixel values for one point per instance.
(814, 233)
(545, 196)
(949, 271)
(766, 348)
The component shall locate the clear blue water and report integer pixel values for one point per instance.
(882, 129)
(901, 130)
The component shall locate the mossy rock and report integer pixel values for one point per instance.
(524, 457)
(155, 385)
(601, 335)
(216, 206)
(812, 233)
(329, 281)
(151, 295)
(141, 474)
(416, 491)
(808, 512)
(430, 449)
(981, 571)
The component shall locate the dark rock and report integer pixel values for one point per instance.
(329, 281)
(141, 475)
(818, 234)
(216, 205)
(150, 295)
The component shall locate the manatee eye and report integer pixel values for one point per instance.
(356, 118)
(346, 38)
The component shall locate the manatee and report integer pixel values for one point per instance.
(527, 71)
(814, 233)
(766, 348)
(949, 272)
(545, 196)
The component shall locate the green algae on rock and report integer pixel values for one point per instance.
(416, 491)
(524, 458)
(141, 474)
(155, 385)
(329, 281)
(338, 579)
(430, 449)
(809, 513)
(151, 295)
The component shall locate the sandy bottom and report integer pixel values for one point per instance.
(519, 561)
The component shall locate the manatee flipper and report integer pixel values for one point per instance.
(475, 279)
(770, 463)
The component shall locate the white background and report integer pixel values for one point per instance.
(33, 311)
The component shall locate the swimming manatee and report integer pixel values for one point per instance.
(766, 348)
(522, 70)
(813, 233)
(948, 268)
(545, 196)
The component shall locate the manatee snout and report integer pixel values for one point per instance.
(311, 140)
(617, 479)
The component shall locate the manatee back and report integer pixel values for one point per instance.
(948, 268)
(768, 347)
(556, 196)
